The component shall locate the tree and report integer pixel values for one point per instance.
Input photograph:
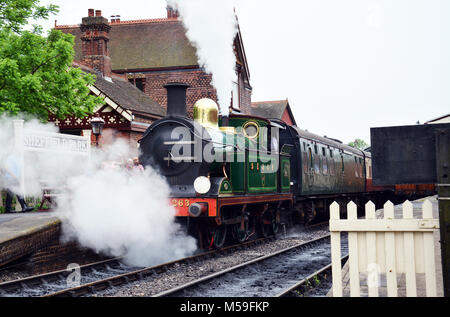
(36, 73)
(359, 144)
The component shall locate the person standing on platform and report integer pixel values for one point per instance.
(12, 171)
(137, 167)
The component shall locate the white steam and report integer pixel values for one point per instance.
(211, 27)
(111, 209)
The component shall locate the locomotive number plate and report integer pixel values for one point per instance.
(181, 202)
(181, 205)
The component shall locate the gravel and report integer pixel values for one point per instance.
(184, 273)
(11, 274)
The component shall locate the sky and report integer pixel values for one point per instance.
(345, 66)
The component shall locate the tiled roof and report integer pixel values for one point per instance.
(128, 96)
(269, 109)
(124, 94)
(144, 44)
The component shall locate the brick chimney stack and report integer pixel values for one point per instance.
(115, 19)
(94, 41)
(172, 13)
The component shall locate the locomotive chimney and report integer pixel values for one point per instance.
(176, 99)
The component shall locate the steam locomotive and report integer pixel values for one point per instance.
(240, 176)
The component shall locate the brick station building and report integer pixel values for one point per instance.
(127, 111)
(149, 54)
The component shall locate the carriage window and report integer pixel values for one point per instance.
(315, 148)
(331, 153)
(316, 164)
(325, 166)
(342, 163)
(310, 158)
(304, 146)
(323, 151)
(305, 162)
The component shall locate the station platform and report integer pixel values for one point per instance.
(22, 234)
(401, 282)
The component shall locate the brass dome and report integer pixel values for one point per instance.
(206, 112)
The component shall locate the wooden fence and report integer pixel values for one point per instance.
(386, 246)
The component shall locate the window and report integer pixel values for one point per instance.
(251, 130)
(331, 152)
(323, 152)
(310, 158)
(305, 162)
(325, 166)
(317, 164)
(361, 168)
(139, 83)
(315, 149)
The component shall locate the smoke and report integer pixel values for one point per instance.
(211, 27)
(123, 212)
(111, 209)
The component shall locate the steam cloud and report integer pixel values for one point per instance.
(111, 210)
(211, 27)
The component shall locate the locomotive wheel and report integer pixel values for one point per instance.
(268, 224)
(240, 231)
(219, 236)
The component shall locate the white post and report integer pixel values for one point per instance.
(19, 151)
(335, 238)
(371, 241)
(353, 252)
(87, 134)
(389, 239)
(408, 246)
(428, 240)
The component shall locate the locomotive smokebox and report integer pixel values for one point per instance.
(176, 99)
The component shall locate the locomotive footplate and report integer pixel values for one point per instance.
(213, 205)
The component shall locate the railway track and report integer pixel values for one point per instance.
(102, 275)
(320, 279)
(38, 285)
(265, 276)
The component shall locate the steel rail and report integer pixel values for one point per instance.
(306, 282)
(239, 266)
(40, 279)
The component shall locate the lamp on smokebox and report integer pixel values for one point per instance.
(97, 124)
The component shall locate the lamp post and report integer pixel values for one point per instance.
(97, 124)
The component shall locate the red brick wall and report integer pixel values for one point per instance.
(199, 82)
(287, 118)
(245, 97)
(200, 87)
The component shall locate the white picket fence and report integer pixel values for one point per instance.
(384, 247)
